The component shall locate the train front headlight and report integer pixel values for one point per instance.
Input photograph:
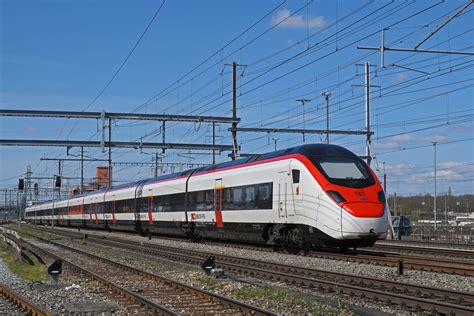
(381, 196)
(336, 196)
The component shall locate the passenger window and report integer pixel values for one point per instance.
(237, 196)
(296, 175)
(249, 194)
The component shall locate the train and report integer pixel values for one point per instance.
(314, 195)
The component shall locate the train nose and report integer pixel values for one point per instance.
(364, 209)
(363, 220)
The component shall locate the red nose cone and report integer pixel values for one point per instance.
(364, 209)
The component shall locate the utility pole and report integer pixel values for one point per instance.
(214, 142)
(384, 178)
(234, 110)
(60, 171)
(434, 201)
(156, 164)
(163, 135)
(367, 112)
(28, 193)
(303, 102)
(82, 169)
(367, 87)
(110, 152)
(275, 140)
(326, 95)
(446, 208)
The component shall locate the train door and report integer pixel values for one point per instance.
(218, 188)
(297, 191)
(282, 190)
(113, 210)
(138, 207)
(149, 198)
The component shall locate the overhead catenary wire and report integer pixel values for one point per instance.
(346, 91)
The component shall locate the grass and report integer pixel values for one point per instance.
(266, 292)
(34, 272)
(312, 305)
(27, 232)
(211, 283)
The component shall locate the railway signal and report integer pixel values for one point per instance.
(57, 181)
(21, 184)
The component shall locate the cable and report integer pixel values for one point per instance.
(121, 65)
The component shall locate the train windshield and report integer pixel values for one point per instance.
(345, 171)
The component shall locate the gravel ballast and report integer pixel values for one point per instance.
(429, 279)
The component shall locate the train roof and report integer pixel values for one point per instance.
(307, 150)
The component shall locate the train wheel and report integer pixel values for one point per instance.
(294, 240)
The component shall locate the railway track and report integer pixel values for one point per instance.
(445, 252)
(434, 244)
(145, 292)
(12, 303)
(409, 261)
(414, 297)
(450, 265)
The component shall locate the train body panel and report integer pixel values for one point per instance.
(315, 194)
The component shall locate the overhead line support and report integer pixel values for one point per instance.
(234, 109)
(411, 50)
(439, 27)
(70, 143)
(299, 131)
(119, 116)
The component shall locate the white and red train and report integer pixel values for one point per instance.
(311, 195)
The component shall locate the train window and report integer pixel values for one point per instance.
(209, 200)
(237, 196)
(191, 200)
(126, 207)
(108, 207)
(166, 203)
(249, 194)
(264, 196)
(142, 204)
(295, 173)
(177, 202)
(345, 171)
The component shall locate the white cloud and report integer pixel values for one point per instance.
(435, 138)
(455, 164)
(402, 138)
(440, 175)
(297, 21)
(386, 145)
(400, 169)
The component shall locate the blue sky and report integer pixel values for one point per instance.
(58, 55)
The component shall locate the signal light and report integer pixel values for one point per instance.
(21, 184)
(58, 182)
(336, 196)
(36, 188)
